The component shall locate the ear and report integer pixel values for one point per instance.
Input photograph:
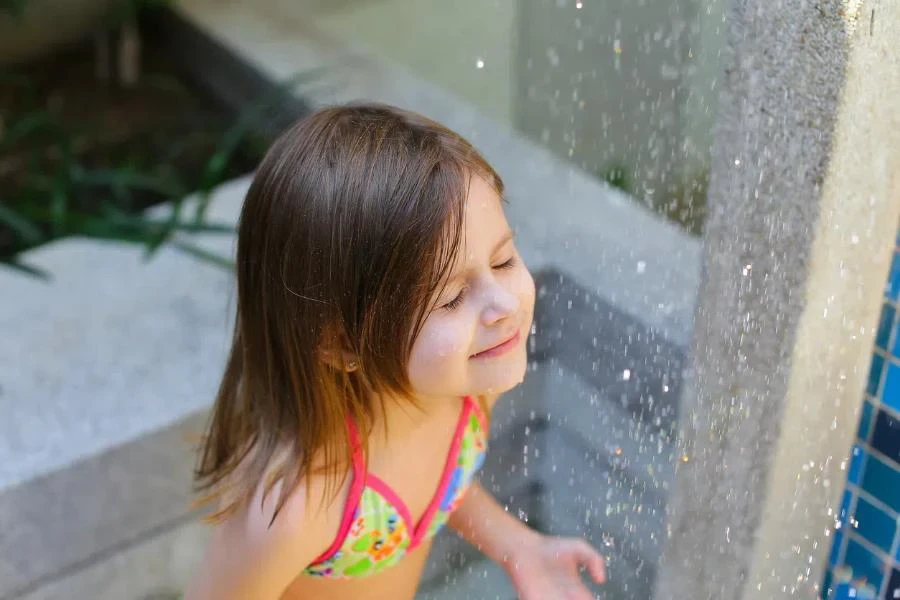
(340, 360)
(335, 350)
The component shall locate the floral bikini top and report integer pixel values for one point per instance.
(377, 529)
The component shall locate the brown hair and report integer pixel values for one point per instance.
(349, 229)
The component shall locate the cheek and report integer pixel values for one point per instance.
(437, 343)
(526, 291)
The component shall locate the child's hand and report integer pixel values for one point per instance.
(550, 567)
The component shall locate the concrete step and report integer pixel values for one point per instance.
(106, 372)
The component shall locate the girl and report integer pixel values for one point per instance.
(382, 307)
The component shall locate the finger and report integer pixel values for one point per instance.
(597, 568)
(594, 562)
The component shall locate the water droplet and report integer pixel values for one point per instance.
(641, 266)
(479, 64)
(523, 516)
(617, 46)
(553, 57)
(579, 4)
(626, 375)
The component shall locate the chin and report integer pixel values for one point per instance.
(507, 379)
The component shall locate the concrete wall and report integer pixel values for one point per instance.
(805, 202)
(601, 84)
(465, 46)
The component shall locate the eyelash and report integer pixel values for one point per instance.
(454, 304)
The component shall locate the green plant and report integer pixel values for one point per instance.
(685, 201)
(58, 193)
(13, 8)
(616, 175)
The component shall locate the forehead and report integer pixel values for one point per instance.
(484, 221)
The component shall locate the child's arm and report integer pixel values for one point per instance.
(482, 522)
(539, 566)
(248, 560)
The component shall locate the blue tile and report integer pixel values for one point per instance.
(846, 499)
(836, 547)
(886, 436)
(875, 525)
(853, 590)
(885, 325)
(891, 393)
(857, 464)
(864, 563)
(875, 372)
(893, 586)
(883, 482)
(856, 589)
(865, 421)
(841, 591)
(892, 288)
(826, 584)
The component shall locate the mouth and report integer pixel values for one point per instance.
(501, 348)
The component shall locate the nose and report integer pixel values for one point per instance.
(500, 305)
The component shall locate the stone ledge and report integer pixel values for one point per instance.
(111, 348)
(61, 523)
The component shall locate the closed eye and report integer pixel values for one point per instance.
(454, 304)
(508, 264)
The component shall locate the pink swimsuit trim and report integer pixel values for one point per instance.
(362, 479)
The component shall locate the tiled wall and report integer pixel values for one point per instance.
(865, 555)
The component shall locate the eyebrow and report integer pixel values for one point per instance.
(503, 241)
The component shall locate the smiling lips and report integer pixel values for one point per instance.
(501, 348)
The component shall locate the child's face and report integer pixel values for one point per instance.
(474, 342)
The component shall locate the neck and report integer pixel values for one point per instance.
(400, 416)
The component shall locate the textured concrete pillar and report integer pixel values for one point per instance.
(804, 205)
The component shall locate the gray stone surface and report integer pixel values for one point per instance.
(802, 217)
(154, 568)
(605, 477)
(111, 348)
(105, 373)
(62, 522)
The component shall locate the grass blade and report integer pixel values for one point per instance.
(16, 265)
(24, 228)
(204, 255)
(214, 172)
(127, 178)
(31, 123)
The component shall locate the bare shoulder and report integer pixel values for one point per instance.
(255, 553)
